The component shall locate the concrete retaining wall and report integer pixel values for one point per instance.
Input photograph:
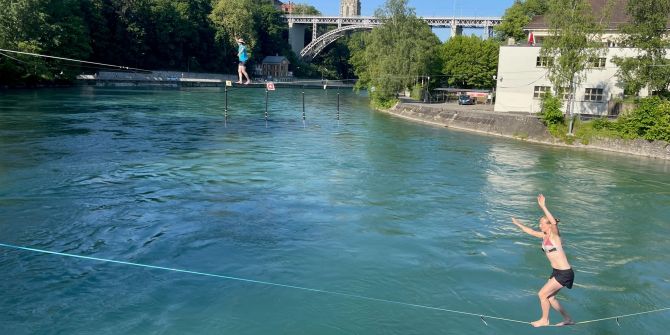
(520, 126)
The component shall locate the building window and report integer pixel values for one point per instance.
(593, 94)
(541, 91)
(598, 63)
(564, 93)
(544, 62)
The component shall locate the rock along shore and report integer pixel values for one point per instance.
(520, 126)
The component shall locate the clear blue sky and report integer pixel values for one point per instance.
(425, 8)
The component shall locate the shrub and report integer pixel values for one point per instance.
(382, 101)
(417, 92)
(650, 120)
(602, 124)
(551, 110)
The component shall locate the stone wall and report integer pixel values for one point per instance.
(639, 147)
(521, 126)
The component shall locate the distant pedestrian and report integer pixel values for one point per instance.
(562, 274)
(243, 57)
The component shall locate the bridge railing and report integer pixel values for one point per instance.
(439, 20)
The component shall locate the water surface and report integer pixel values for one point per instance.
(369, 205)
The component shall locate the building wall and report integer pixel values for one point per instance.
(275, 70)
(518, 76)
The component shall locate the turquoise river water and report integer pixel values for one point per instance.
(367, 207)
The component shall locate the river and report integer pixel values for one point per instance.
(364, 225)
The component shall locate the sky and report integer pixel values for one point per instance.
(426, 8)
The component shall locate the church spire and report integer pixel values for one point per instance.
(350, 7)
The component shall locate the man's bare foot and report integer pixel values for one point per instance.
(567, 322)
(238, 82)
(247, 82)
(540, 323)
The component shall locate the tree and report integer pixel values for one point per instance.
(333, 61)
(305, 9)
(52, 27)
(470, 62)
(517, 17)
(646, 32)
(234, 18)
(259, 23)
(575, 40)
(271, 31)
(391, 57)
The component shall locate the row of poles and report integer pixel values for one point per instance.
(267, 98)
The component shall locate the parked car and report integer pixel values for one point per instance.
(465, 99)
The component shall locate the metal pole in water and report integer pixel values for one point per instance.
(266, 108)
(338, 108)
(303, 110)
(225, 111)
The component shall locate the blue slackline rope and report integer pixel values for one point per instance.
(481, 316)
(255, 282)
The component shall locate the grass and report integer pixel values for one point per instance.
(583, 132)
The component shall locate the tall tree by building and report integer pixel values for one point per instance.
(647, 33)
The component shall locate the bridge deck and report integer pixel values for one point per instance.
(437, 22)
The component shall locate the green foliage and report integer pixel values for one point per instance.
(382, 101)
(646, 32)
(394, 55)
(602, 123)
(560, 131)
(470, 62)
(517, 17)
(417, 92)
(551, 110)
(333, 62)
(234, 19)
(305, 9)
(193, 35)
(650, 120)
(41, 26)
(575, 39)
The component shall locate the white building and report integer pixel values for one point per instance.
(522, 73)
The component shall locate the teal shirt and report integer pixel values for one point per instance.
(242, 53)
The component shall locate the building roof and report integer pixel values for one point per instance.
(274, 59)
(619, 15)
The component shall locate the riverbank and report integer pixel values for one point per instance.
(526, 127)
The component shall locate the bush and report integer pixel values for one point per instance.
(602, 124)
(381, 101)
(650, 120)
(551, 110)
(417, 92)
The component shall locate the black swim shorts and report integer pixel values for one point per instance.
(242, 63)
(563, 277)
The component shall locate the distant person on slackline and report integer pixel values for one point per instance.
(562, 274)
(243, 57)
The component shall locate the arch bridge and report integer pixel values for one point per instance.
(299, 23)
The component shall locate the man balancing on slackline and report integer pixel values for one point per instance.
(562, 274)
(243, 56)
